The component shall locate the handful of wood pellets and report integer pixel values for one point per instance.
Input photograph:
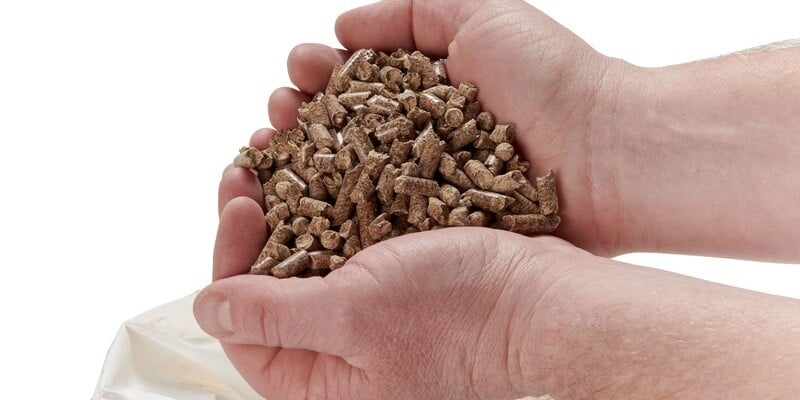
(390, 148)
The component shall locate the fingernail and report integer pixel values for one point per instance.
(214, 315)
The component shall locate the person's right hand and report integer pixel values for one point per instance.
(529, 71)
(477, 313)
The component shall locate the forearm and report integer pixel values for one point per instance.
(656, 334)
(711, 157)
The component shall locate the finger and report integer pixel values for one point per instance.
(328, 315)
(227, 168)
(250, 361)
(428, 26)
(284, 373)
(310, 65)
(238, 182)
(310, 313)
(241, 234)
(262, 138)
(283, 105)
(333, 315)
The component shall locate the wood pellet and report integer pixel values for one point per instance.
(390, 148)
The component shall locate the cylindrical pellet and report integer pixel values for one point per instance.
(375, 163)
(530, 223)
(419, 117)
(336, 262)
(382, 105)
(432, 104)
(249, 157)
(464, 135)
(385, 186)
(307, 242)
(336, 111)
(399, 205)
(479, 174)
(416, 186)
(408, 99)
(453, 117)
(504, 151)
(318, 225)
(451, 173)
(409, 168)
(330, 240)
(281, 234)
(449, 195)
(459, 216)
(314, 113)
(263, 266)
(287, 175)
(380, 227)
(430, 158)
(485, 121)
(316, 187)
(325, 161)
(490, 201)
(309, 207)
(417, 209)
(493, 164)
(275, 250)
(351, 99)
(478, 218)
(546, 190)
(503, 133)
(333, 183)
(468, 90)
(348, 229)
(351, 246)
(412, 81)
(279, 212)
(398, 152)
(320, 259)
(507, 182)
(438, 210)
(292, 266)
(365, 211)
(472, 110)
(299, 225)
(521, 204)
(363, 190)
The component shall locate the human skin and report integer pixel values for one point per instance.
(699, 158)
(716, 145)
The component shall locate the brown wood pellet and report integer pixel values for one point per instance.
(390, 148)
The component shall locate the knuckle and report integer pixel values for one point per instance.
(260, 321)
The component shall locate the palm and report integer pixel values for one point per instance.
(536, 74)
(411, 324)
(530, 71)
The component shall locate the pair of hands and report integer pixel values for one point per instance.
(480, 313)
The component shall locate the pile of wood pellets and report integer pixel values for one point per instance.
(390, 148)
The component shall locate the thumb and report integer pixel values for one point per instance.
(308, 313)
(328, 314)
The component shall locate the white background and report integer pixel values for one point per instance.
(116, 119)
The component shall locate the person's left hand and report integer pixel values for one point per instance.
(439, 314)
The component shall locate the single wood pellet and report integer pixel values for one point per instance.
(390, 148)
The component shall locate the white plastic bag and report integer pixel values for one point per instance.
(164, 355)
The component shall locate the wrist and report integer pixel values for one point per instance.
(538, 357)
(615, 132)
(610, 330)
(697, 144)
(651, 140)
